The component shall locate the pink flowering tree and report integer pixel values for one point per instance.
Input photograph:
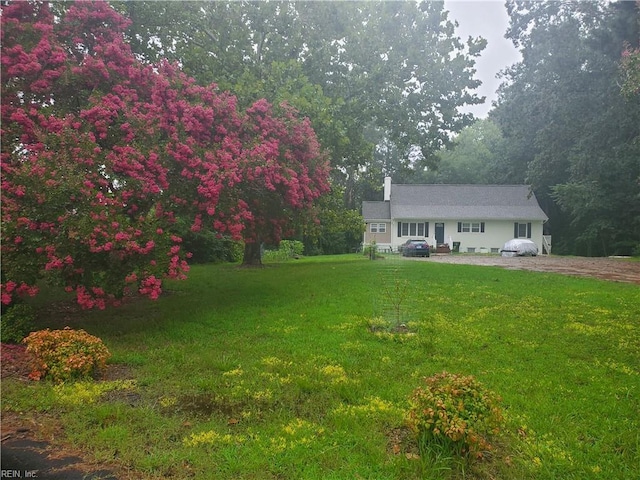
(283, 173)
(102, 154)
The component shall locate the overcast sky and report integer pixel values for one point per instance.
(487, 19)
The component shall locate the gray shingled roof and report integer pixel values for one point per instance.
(376, 210)
(461, 202)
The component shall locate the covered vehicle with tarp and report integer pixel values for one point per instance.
(519, 247)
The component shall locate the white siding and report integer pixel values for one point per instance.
(496, 233)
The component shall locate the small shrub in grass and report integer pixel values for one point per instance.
(454, 413)
(16, 323)
(287, 249)
(292, 247)
(65, 354)
(371, 251)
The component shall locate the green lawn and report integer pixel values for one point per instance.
(289, 372)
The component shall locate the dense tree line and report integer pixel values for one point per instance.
(571, 128)
(384, 83)
(567, 122)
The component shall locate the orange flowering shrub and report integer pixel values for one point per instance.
(455, 412)
(65, 354)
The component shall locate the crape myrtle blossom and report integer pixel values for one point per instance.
(102, 154)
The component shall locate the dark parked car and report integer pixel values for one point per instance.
(415, 248)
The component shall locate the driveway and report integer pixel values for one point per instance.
(609, 268)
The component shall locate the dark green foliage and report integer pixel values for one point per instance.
(16, 323)
(207, 247)
(331, 243)
(570, 130)
(339, 229)
(287, 250)
(478, 156)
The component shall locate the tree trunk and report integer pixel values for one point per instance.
(252, 255)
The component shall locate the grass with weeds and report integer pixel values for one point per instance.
(279, 373)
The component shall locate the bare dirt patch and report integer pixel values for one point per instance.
(33, 443)
(610, 268)
(31, 448)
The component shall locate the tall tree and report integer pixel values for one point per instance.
(281, 172)
(478, 155)
(101, 155)
(393, 68)
(569, 126)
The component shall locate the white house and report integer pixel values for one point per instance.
(480, 218)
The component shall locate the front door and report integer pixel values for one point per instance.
(439, 233)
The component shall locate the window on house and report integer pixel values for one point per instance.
(378, 227)
(471, 227)
(521, 230)
(413, 229)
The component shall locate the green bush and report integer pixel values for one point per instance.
(207, 247)
(455, 413)
(65, 354)
(286, 250)
(292, 247)
(17, 323)
(625, 248)
(371, 251)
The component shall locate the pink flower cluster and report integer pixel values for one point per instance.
(102, 154)
(8, 289)
(90, 298)
(151, 287)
